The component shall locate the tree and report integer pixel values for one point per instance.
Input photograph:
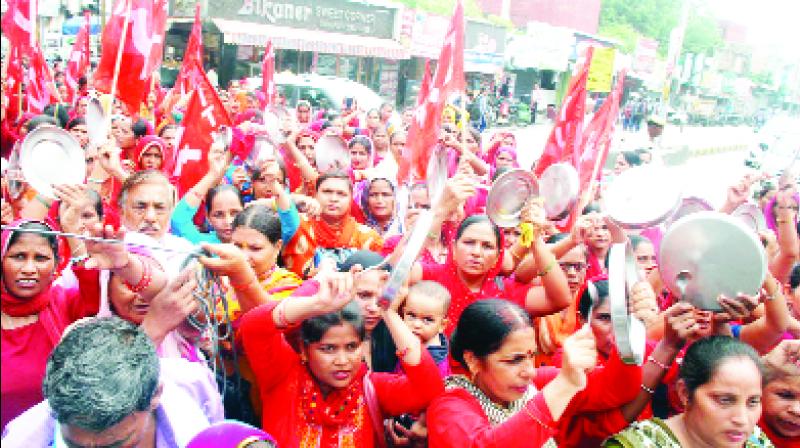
(703, 35)
(655, 19)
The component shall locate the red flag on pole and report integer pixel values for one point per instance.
(39, 85)
(204, 115)
(425, 85)
(78, 60)
(564, 143)
(268, 74)
(598, 134)
(449, 78)
(15, 75)
(17, 25)
(193, 53)
(142, 47)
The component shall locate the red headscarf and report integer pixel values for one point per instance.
(16, 307)
(167, 157)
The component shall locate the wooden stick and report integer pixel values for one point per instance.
(118, 62)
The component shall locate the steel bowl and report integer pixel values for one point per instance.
(630, 333)
(560, 187)
(331, 153)
(642, 197)
(51, 156)
(508, 196)
(689, 205)
(752, 216)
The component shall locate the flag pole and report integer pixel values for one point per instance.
(118, 62)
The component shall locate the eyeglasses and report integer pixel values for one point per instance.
(419, 207)
(567, 266)
(305, 147)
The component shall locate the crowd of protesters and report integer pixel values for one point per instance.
(492, 342)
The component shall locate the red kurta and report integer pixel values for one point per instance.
(280, 375)
(456, 419)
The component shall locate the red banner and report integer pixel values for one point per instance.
(204, 115)
(449, 78)
(17, 24)
(78, 61)
(15, 75)
(564, 143)
(598, 134)
(268, 74)
(142, 48)
(194, 53)
(39, 85)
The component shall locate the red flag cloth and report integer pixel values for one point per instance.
(268, 74)
(204, 115)
(142, 48)
(564, 143)
(194, 53)
(17, 25)
(15, 75)
(39, 84)
(78, 60)
(449, 78)
(425, 85)
(598, 134)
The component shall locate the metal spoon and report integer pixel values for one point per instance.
(196, 254)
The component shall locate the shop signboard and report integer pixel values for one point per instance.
(484, 45)
(601, 71)
(335, 16)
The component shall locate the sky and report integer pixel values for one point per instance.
(769, 22)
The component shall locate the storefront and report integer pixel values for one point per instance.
(484, 46)
(329, 37)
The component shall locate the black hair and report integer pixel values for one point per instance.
(261, 218)
(52, 240)
(587, 304)
(500, 171)
(59, 112)
(139, 128)
(483, 326)
(365, 258)
(77, 121)
(552, 239)
(592, 207)
(704, 357)
(281, 166)
(40, 120)
(334, 174)
(396, 134)
(97, 202)
(313, 330)
(362, 140)
(477, 219)
(212, 193)
(101, 372)
(636, 240)
(166, 128)
(794, 277)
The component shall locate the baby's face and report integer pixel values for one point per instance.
(425, 316)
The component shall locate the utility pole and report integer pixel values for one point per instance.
(674, 53)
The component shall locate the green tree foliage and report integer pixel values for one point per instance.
(627, 20)
(444, 7)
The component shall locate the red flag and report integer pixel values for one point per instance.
(268, 74)
(17, 25)
(39, 85)
(449, 78)
(194, 53)
(204, 115)
(78, 60)
(15, 75)
(598, 134)
(143, 45)
(564, 144)
(425, 85)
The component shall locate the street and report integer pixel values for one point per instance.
(704, 174)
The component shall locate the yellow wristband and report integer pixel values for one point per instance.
(526, 234)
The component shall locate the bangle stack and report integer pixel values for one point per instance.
(648, 390)
(283, 322)
(144, 282)
(657, 362)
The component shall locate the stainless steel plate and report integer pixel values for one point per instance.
(689, 205)
(508, 196)
(630, 333)
(720, 252)
(751, 216)
(560, 187)
(437, 174)
(51, 156)
(331, 153)
(96, 123)
(642, 197)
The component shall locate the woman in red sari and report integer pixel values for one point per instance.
(36, 309)
(505, 401)
(323, 396)
(780, 418)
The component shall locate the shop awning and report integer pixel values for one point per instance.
(246, 33)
